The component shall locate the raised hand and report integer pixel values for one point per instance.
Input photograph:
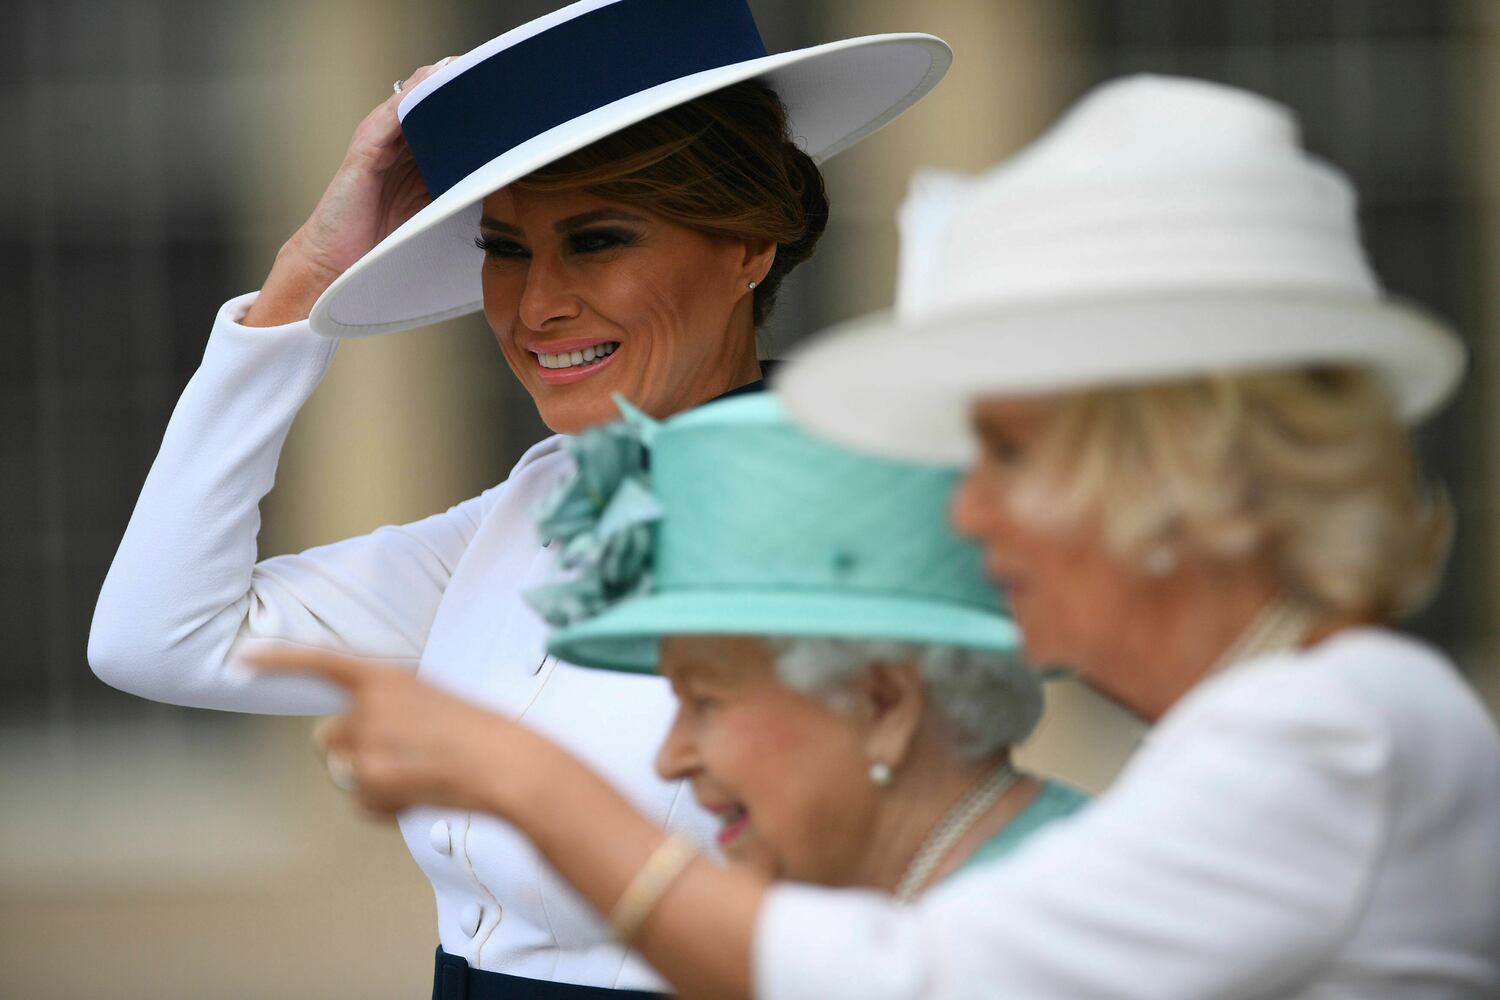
(403, 742)
(375, 189)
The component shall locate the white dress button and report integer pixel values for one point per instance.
(441, 838)
(468, 920)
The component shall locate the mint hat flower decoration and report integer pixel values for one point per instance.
(747, 526)
(604, 516)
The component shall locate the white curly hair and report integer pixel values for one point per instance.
(988, 700)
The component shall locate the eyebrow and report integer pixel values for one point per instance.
(563, 225)
(486, 222)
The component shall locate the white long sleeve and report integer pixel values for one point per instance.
(1320, 825)
(185, 584)
(443, 595)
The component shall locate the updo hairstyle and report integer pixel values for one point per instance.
(723, 164)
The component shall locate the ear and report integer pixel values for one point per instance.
(888, 701)
(756, 260)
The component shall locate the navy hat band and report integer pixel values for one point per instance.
(567, 71)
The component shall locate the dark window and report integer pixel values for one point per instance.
(1379, 91)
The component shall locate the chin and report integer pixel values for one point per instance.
(765, 868)
(574, 416)
(1039, 650)
(756, 858)
(1036, 644)
(1110, 687)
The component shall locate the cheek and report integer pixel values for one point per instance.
(750, 750)
(670, 308)
(754, 853)
(797, 774)
(501, 295)
(981, 508)
(1043, 580)
(645, 302)
(1074, 608)
(680, 290)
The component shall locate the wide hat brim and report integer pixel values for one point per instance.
(429, 269)
(904, 389)
(626, 637)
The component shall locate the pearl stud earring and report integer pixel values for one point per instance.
(752, 284)
(880, 774)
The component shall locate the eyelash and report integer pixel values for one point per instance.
(583, 242)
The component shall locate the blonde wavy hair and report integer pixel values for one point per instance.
(1309, 470)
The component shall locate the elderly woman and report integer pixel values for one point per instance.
(848, 692)
(1195, 483)
(621, 186)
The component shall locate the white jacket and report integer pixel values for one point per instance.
(441, 595)
(1312, 825)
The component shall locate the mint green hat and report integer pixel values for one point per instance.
(744, 525)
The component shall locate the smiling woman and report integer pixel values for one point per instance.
(569, 278)
(827, 761)
(661, 247)
(633, 225)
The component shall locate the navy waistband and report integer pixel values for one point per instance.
(452, 979)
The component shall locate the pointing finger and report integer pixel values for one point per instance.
(342, 669)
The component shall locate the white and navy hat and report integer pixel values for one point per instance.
(562, 81)
(1165, 228)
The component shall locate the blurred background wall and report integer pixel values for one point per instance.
(159, 153)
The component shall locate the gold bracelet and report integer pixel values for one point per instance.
(648, 886)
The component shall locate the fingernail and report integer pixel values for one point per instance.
(445, 62)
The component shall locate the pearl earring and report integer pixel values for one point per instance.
(880, 774)
(752, 284)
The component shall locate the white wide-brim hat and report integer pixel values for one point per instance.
(562, 81)
(1163, 229)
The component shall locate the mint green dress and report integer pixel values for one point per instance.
(1055, 801)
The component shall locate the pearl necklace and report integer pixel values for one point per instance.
(956, 822)
(1279, 625)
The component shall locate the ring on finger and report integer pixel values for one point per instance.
(396, 87)
(341, 771)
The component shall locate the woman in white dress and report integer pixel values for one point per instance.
(639, 176)
(1193, 476)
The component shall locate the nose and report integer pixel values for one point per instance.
(677, 758)
(548, 297)
(966, 509)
